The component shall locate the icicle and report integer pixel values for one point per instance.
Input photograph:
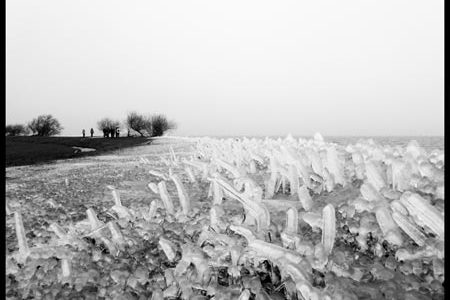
(218, 193)
(121, 210)
(291, 221)
(214, 214)
(389, 228)
(335, 166)
(8, 208)
(270, 185)
(293, 180)
(289, 236)
(375, 175)
(234, 171)
(115, 194)
(151, 212)
(369, 193)
(409, 228)
(168, 248)
(305, 198)
(110, 245)
(167, 201)
(279, 184)
(190, 174)
(116, 234)
(210, 190)
(423, 212)
(329, 180)
(173, 156)
(328, 228)
(58, 230)
(182, 195)
(158, 174)
(24, 251)
(66, 268)
(274, 252)
(153, 187)
(93, 221)
(316, 162)
(257, 210)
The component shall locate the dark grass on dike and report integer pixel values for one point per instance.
(28, 150)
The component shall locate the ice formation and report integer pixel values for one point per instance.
(392, 211)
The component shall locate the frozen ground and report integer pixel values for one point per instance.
(62, 192)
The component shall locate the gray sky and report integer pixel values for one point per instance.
(355, 67)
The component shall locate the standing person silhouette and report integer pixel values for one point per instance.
(117, 132)
(92, 132)
(84, 133)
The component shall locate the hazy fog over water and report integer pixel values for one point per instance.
(230, 67)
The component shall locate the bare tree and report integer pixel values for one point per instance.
(160, 124)
(138, 123)
(16, 129)
(45, 125)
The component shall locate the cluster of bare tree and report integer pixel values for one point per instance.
(149, 125)
(43, 125)
(143, 125)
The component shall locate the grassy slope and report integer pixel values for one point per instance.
(25, 150)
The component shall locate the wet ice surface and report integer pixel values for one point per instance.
(159, 255)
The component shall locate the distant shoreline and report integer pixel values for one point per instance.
(30, 150)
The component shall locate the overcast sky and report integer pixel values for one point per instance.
(355, 67)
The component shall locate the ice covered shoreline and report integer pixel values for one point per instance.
(327, 219)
